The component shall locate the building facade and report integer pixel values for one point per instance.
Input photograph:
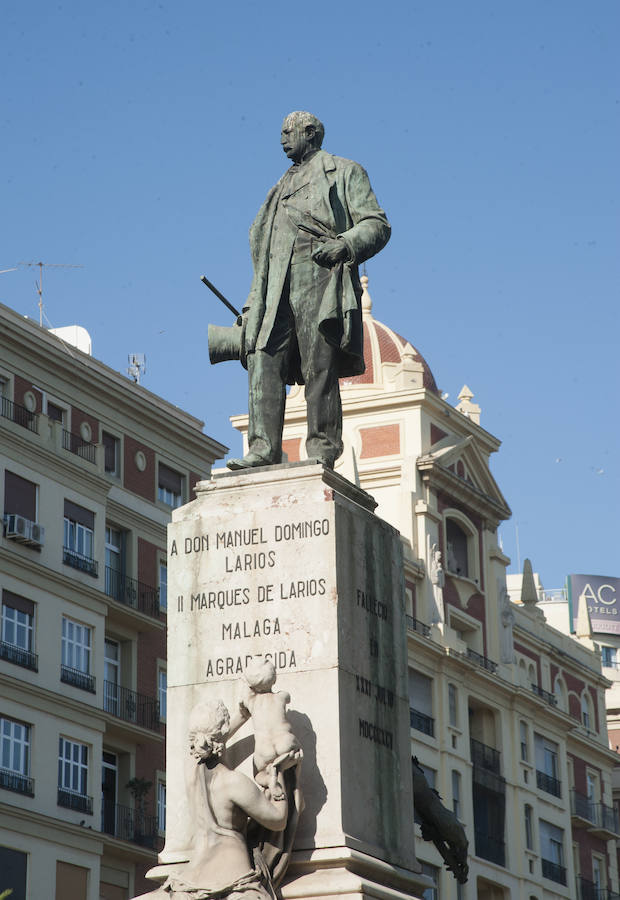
(495, 719)
(91, 466)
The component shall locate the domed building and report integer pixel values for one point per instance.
(494, 742)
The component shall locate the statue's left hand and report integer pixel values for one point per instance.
(330, 253)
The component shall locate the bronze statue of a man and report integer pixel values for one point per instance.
(302, 321)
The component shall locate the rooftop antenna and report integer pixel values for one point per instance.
(39, 284)
(137, 366)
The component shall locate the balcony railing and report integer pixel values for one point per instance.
(132, 593)
(482, 661)
(79, 561)
(606, 818)
(587, 890)
(550, 784)
(421, 722)
(129, 824)
(78, 679)
(484, 756)
(551, 699)
(14, 781)
(75, 443)
(416, 625)
(73, 800)
(491, 848)
(553, 871)
(582, 807)
(24, 658)
(19, 414)
(131, 706)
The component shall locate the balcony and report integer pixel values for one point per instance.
(587, 890)
(74, 443)
(16, 782)
(19, 414)
(553, 871)
(482, 661)
(490, 848)
(550, 784)
(551, 699)
(20, 657)
(79, 561)
(131, 706)
(78, 679)
(132, 593)
(485, 757)
(605, 822)
(421, 722)
(582, 808)
(129, 824)
(416, 625)
(76, 802)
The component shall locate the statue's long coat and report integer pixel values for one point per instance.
(335, 199)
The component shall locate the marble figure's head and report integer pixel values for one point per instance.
(301, 133)
(261, 676)
(208, 728)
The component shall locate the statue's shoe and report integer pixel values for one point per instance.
(251, 461)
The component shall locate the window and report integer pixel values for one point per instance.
(15, 757)
(529, 835)
(76, 651)
(79, 538)
(586, 712)
(111, 676)
(552, 852)
(432, 872)
(592, 787)
(73, 775)
(56, 413)
(457, 555)
(456, 793)
(547, 766)
(14, 868)
(608, 657)
(17, 634)
(111, 453)
(162, 688)
(114, 562)
(421, 702)
(163, 584)
(161, 806)
(453, 705)
(524, 741)
(20, 496)
(170, 487)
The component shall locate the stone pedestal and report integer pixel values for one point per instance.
(291, 564)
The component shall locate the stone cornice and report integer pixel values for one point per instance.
(440, 478)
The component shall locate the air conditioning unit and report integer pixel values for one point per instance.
(37, 534)
(18, 528)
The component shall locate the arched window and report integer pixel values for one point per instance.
(457, 550)
(560, 693)
(587, 719)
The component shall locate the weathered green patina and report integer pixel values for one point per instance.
(302, 321)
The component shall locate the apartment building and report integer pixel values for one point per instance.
(91, 465)
(507, 713)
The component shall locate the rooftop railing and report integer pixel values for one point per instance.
(75, 443)
(131, 706)
(129, 824)
(416, 625)
(132, 593)
(16, 782)
(14, 654)
(19, 414)
(421, 722)
(551, 699)
(73, 800)
(482, 661)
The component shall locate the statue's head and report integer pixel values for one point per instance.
(301, 133)
(209, 724)
(260, 675)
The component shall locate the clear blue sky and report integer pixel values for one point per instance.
(139, 139)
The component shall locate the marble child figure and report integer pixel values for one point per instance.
(275, 746)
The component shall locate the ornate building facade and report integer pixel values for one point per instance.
(91, 466)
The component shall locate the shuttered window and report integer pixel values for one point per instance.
(20, 496)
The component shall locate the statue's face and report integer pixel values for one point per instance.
(296, 139)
